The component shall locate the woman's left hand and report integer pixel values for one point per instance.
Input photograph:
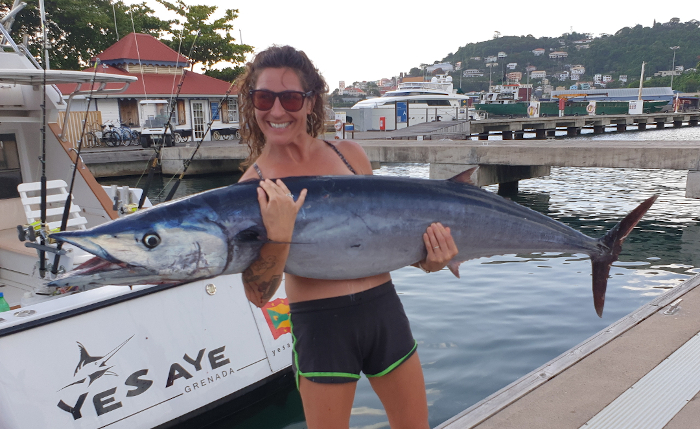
(440, 245)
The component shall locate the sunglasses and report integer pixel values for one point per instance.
(291, 101)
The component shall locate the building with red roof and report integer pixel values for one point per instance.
(160, 71)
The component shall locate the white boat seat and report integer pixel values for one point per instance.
(56, 194)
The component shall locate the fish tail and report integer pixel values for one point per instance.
(611, 244)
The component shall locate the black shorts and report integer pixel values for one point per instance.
(337, 338)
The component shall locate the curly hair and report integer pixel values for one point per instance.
(310, 78)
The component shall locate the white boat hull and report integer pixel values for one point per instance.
(148, 356)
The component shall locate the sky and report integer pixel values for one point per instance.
(369, 40)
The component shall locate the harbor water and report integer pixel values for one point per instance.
(510, 314)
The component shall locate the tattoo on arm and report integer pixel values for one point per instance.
(267, 289)
(255, 277)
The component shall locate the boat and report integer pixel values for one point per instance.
(412, 103)
(113, 356)
(505, 101)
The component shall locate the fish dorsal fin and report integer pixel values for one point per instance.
(465, 176)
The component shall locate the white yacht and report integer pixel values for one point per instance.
(121, 357)
(413, 103)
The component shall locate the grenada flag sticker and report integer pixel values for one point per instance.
(277, 315)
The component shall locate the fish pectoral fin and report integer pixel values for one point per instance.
(454, 267)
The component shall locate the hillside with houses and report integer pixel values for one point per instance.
(575, 59)
(670, 51)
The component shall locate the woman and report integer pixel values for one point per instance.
(340, 327)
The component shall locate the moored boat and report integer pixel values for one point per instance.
(412, 103)
(123, 357)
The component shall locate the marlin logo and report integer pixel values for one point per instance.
(94, 366)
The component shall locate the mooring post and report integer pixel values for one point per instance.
(508, 188)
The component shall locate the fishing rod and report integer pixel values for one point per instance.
(156, 156)
(69, 197)
(42, 158)
(186, 163)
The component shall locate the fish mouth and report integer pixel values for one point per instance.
(97, 265)
(99, 272)
(77, 239)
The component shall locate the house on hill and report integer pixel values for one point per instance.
(160, 70)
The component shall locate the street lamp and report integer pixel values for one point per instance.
(490, 66)
(673, 67)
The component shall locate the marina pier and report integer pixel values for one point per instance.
(501, 162)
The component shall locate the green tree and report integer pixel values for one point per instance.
(210, 40)
(79, 29)
(229, 74)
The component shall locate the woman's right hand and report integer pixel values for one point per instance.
(278, 209)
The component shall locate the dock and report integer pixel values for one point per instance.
(541, 128)
(641, 372)
(502, 162)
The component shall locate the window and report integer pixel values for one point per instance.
(10, 174)
(229, 111)
(438, 102)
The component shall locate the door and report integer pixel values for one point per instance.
(197, 120)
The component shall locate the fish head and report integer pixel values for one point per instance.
(153, 246)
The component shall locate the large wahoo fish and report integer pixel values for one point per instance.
(349, 227)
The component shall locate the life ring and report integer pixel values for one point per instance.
(338, 124)
(531, 111)
(590, 108)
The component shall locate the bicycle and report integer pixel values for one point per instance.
(111, 135)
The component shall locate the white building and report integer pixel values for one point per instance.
(563, 75)
(511, 66)
(558, 54)
(597, 78)
(538, 74)
(444, 66)
(623, 78)
(490, 59)
(502, 54)
(472, 73)
(578, 69)
(607, 78)
(538, 52)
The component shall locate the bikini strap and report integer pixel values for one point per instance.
(352, 170)
(257, 170)
(341, 157)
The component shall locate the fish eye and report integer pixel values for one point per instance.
(151, 240)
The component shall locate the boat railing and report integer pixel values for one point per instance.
(423, 85)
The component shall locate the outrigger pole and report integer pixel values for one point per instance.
(69, 197)
(186, 163)
(153, 162)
